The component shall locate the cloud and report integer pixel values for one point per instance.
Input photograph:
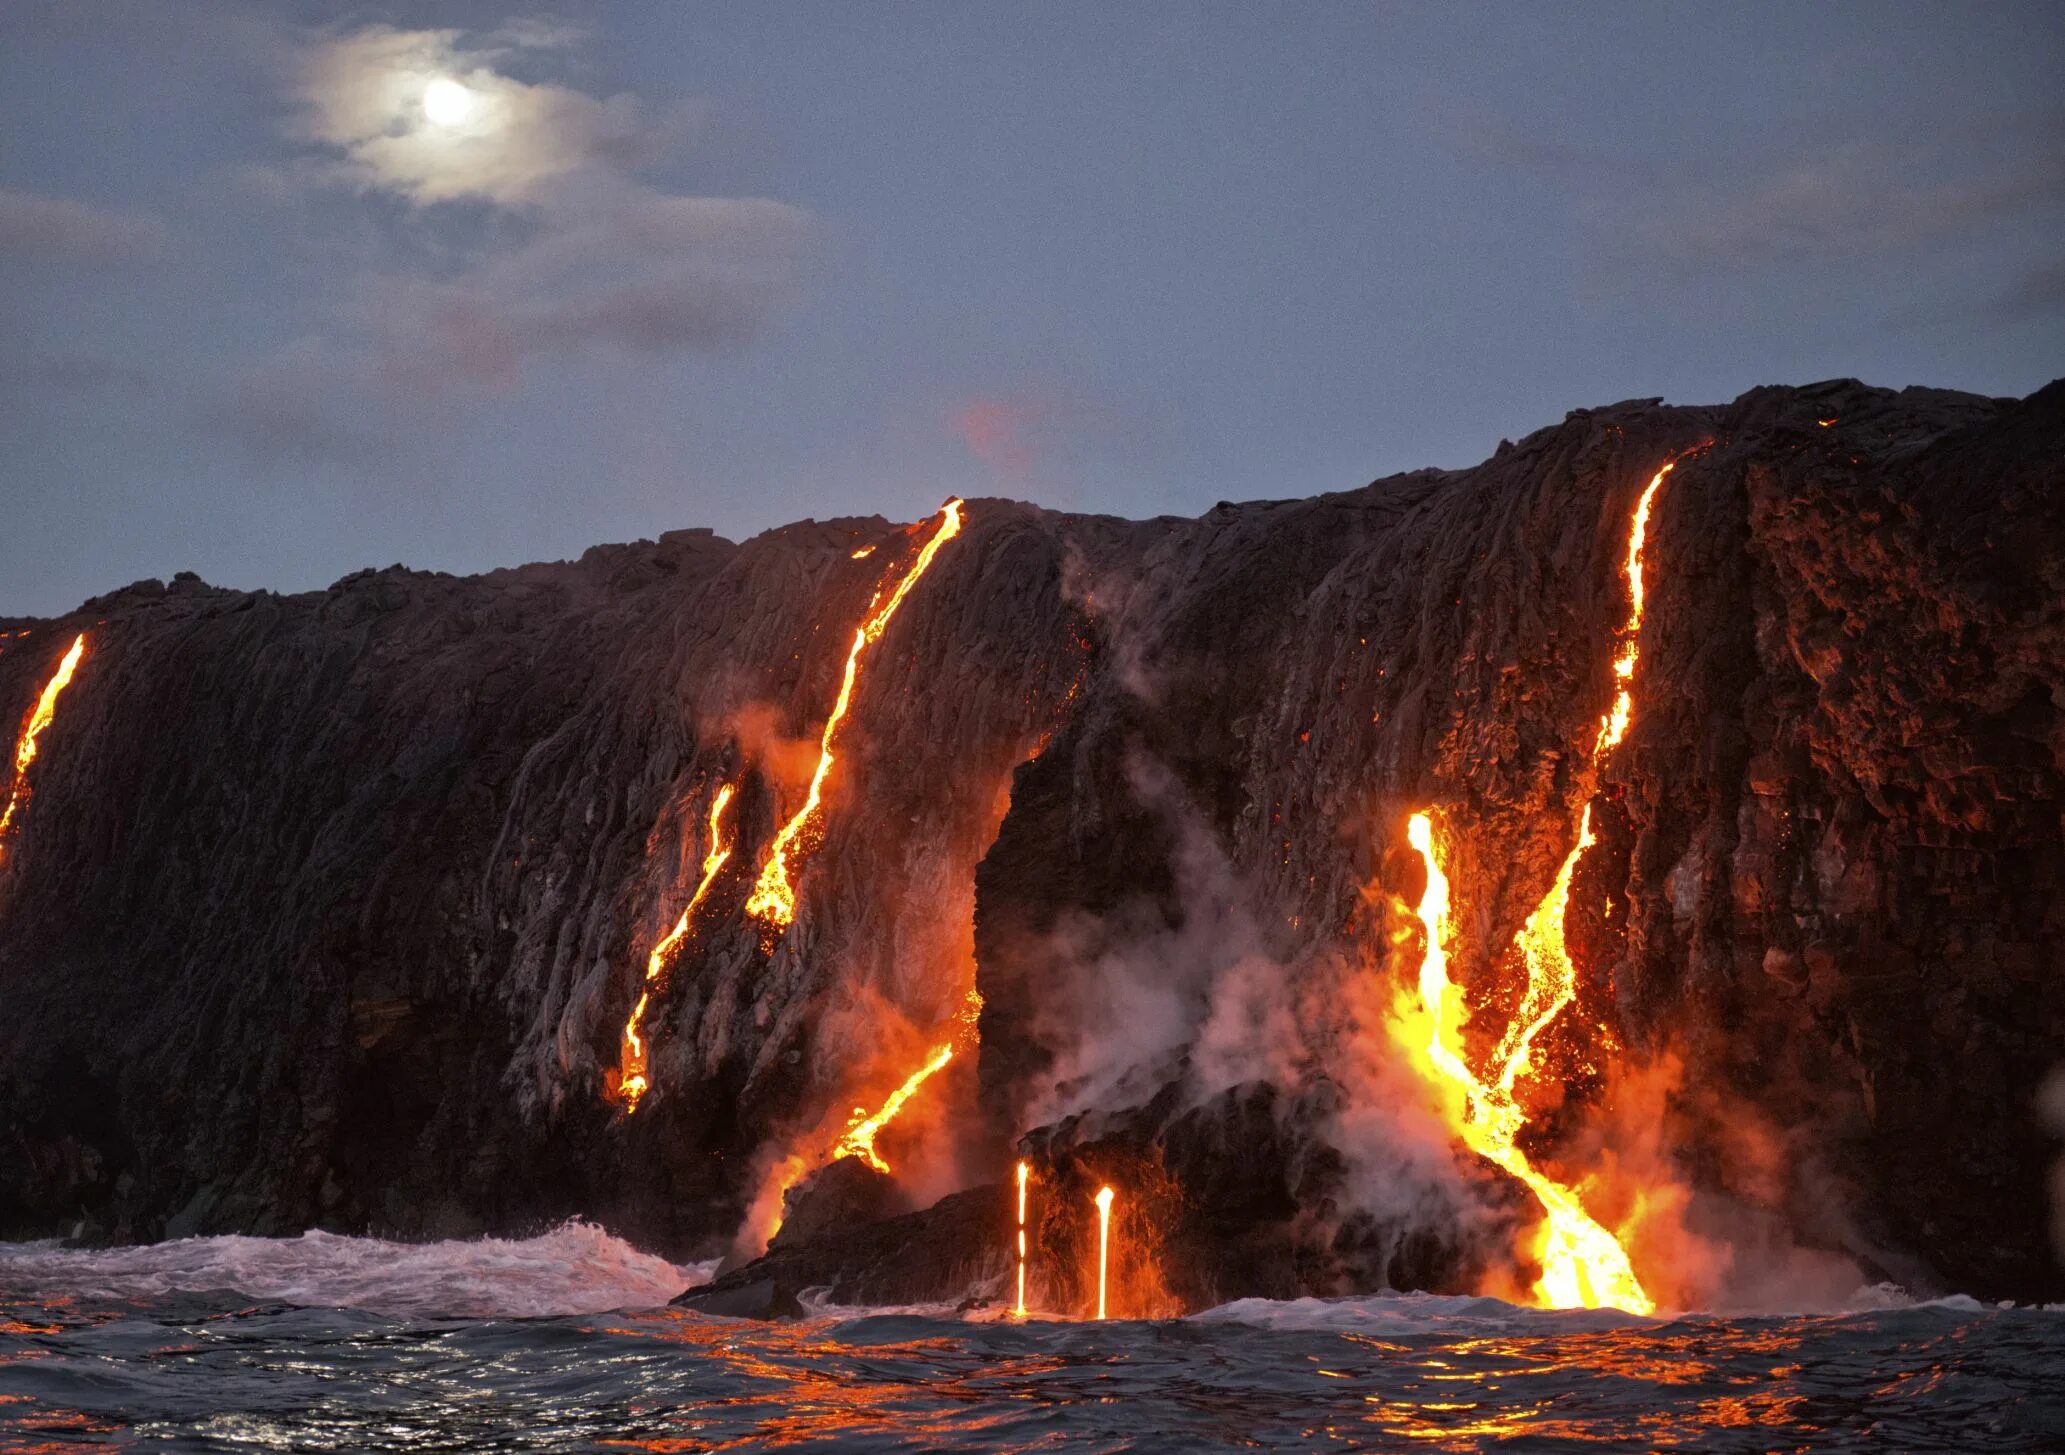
(528, 231)
(57, 227)
(2038, 294)
(1843, 203)
(1036, 435)
(652, 275)
(361, 96)
(306, 404)
(72, 374)
(1857, 190)
(1004, 435)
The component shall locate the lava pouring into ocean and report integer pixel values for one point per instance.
(1104, 1196)
(40, 718)
(1583, 1265)
(773, 900)
(1024, 1172)
(631, 1069)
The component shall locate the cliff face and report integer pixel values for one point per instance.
(330, 910)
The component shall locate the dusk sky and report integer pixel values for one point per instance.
(286, 290)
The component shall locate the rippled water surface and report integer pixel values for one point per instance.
(452, 1347)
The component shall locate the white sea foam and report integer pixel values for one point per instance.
(576, 1268)
(1398, 1314)
(1411, 1313)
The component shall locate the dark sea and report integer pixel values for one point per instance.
(564, 1342)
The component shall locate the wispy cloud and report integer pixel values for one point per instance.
(1854, 191)
(57, 227)
(1859, 200)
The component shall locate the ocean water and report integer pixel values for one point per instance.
(564, 1343)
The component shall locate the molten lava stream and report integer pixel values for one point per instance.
(1023, 1172)
(859, 1140)
(1103, 1243)
(1583, 1265)
(1551, 975)
(40, 718)
(773, 901)
(631, 1081)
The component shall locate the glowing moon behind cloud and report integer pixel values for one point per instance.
(446, 102)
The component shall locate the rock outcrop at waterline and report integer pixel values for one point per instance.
(328, 910)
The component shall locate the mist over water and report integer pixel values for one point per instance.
(563, 1343)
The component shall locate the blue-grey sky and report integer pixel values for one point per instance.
(270, 310)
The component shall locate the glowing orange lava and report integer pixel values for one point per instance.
(39, 719)
(1614, 726)
(1582, 1264)
(859, 1140)
(1103, 1243)
(773, 901)
(1023, 1173)
(631, 1082)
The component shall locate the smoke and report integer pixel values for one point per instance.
(775, 1170)
(785, 760)
(1141, 991)
(2050, 1110)
(1192, 988)
(1725, 1249)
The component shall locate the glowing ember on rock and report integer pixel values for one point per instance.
(859, 1140)
(1023, 1172)
(1583, 1265)
(1103, 1243)
(773, 901)
(631, 1082)
(25, 746)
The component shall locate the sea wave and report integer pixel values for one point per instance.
(1461, 1314)
(577, 1268)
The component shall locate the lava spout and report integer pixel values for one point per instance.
(859, 1140)
(1583, 1265)
(631, 1079)
(1023, 1173)
(1104, 1195)
(773, 901)
(25, 746)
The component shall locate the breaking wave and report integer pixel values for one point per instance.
(577, 1268)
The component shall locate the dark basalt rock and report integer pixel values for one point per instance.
(763, 1298)
(328, 909)
(841, 1195)
(933, 1256)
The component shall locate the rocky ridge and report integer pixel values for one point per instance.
(329, 908)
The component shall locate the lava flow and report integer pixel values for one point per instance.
(631, 1080)
(1023, 1172)
(1582, 1264)
(39, 719)
(773, 901)
(1103, 1243)
(859, 1140)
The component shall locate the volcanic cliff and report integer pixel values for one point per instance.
(329, 910)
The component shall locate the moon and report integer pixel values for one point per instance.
(446, 102)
